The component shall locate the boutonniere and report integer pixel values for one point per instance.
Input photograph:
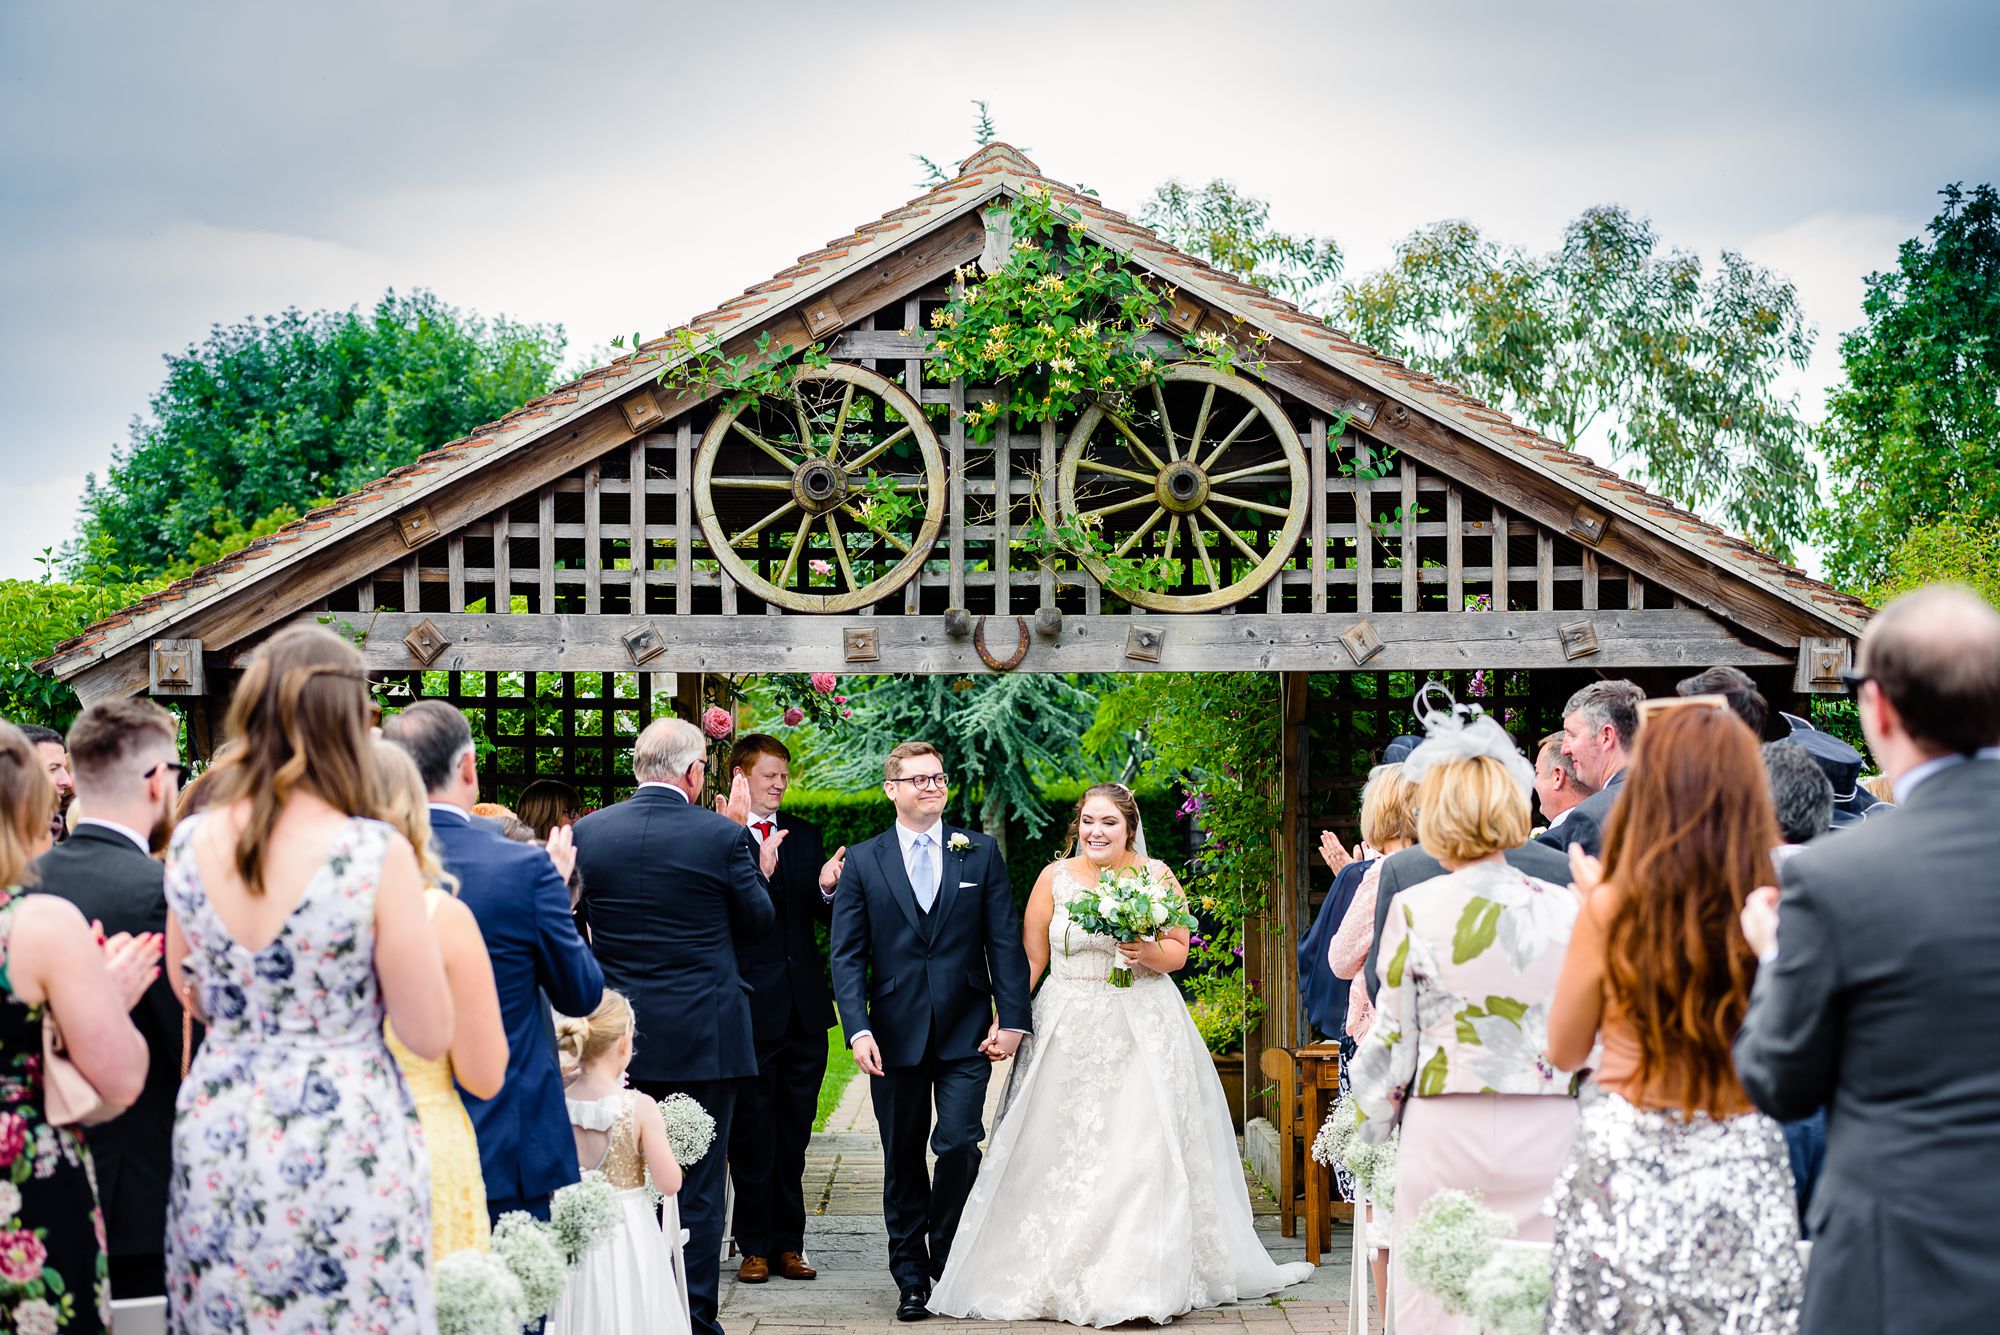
(958, 843)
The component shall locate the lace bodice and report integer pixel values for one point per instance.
(1078, 956)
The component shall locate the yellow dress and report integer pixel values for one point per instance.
(458, 1189)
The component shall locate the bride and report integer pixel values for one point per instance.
(1112, 1189)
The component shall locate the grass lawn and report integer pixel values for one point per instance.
(840, 1069)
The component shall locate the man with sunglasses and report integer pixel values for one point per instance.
(926, 948)
(128, 773)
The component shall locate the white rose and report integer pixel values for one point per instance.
(1160, 914)
(1107, 907)
(10, 1200)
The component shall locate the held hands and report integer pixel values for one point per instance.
(1000, 1043)
(1760, 921)
(562, 850)
(867, 1055)
(829, 875)
(133, 962)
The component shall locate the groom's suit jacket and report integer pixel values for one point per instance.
(1883, 1006)
(668, 889)
(908, 977)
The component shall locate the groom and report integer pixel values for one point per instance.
(925, 945)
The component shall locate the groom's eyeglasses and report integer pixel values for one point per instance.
(939, 781)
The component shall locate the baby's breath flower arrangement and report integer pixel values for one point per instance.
(1373, 1166)
(583, 1214)
(1060, 323)
(690, 1129)
(535, 1258)
(1509, 1294)
(1452, 1236)
(478, 1295)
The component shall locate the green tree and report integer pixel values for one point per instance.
(1677, 366)
(1912, 436)
(1957, 549)
(38, 614)
(1003, 736)
(1233, 231)
(292, 409)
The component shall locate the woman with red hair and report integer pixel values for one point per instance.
(1675, 1211)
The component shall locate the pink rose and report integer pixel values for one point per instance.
(847, 713)
(823, 682)
(13, 1137)
(794, 716)
(840, 699)
(820, 567)
(717, 723)
(21, 1257)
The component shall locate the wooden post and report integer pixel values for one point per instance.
(1270, 944)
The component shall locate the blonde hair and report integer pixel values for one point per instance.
(27, 801)
(1879, 786)
(581, 1040)
(1467, 809)
(1388, 806)
(892, 764)
(401, 801)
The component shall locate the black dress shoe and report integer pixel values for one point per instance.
(914, 1306)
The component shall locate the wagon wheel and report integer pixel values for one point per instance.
(1206, 468)
(823, 499)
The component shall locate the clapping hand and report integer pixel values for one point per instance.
(133, 962)
(1760, 920)
(562, 850)
(737, 805)
(767, 855)
(1334, 855)
(829, 875)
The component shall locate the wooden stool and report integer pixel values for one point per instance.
(1281, 1068)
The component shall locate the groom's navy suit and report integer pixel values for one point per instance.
(926, 985)
(526, 1151)
(668, 889)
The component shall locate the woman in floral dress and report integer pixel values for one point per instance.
(300, 1198)
(1469, 966)
(52, 1263)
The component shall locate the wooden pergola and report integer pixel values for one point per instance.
(626, 534)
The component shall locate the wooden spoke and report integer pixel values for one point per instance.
(1103, 510)
(840, 550)
(1166, 422)
(881, 533)
(792, 557)
(1201, 422)
(1217, 498)
(1275, 470)
(1232, 535)
(1139, 447)
(763, 523)
(882, 447)
(805, 423)
(764, 445)
(840, 423)
(1201, 550)
(1152, 520)
(1095, 467)
(1173, 530)
(753, 483)
(1230, 439)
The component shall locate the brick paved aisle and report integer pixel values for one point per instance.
(846, 1242)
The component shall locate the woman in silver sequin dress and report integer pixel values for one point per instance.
(1675, 1212)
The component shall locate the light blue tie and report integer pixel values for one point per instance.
(923, 879)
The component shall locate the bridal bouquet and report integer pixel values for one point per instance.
(1129, 904)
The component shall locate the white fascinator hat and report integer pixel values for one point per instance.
(1454, 732)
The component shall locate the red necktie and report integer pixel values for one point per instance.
(763, 829)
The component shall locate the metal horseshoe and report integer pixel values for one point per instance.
(1000, 664)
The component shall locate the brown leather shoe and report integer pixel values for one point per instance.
(791, 1265)
(754, 1270)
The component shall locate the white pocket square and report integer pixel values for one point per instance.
(968, 885)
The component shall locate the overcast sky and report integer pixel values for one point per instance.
(620, 167)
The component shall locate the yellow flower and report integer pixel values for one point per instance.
(1062, 364)
(1045, 328)
(990, 406)
(1146, 365)
(1088, 329)
(1106, 381)
(1026, 245)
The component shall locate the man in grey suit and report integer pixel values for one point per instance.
(1877, 993)
(1598, 724)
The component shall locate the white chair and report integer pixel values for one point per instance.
(139, 1316)
(1371, 1229)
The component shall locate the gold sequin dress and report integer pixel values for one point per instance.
(633, 1282)
(458, 1190)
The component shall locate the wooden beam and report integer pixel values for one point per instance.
(1208, 642)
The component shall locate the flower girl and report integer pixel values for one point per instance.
(632, 1283)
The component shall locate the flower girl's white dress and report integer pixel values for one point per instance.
(1112, 1188)
(633, 1282)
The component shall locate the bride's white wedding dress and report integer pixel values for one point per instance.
(1112, 1188)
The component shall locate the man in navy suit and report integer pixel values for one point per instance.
(790, 1012)
(526, 1151)
(926, 945)
(669, 889)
